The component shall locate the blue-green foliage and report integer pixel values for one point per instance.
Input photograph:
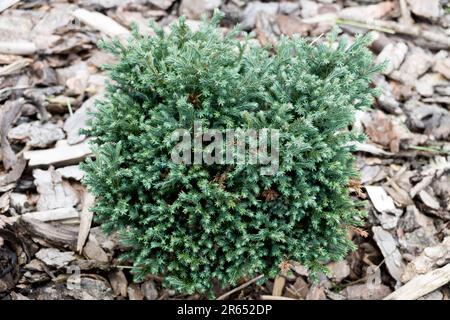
(196, 224)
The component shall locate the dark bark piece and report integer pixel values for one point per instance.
(118, 282)
(8, 260)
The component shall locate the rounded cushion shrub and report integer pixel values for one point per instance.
(198, 224)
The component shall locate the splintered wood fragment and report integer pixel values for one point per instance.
(85, 220)
(5, 4)
(381, 200)
(21, 47)
(364, 25)
(422, 285)
(55, 234)
(100, 22)
(369, 148)
(58, 156)
(14, 67)
(426, 181)
(54, 192)
(392, 256)
(278, 286)
(118, 282)
(267, 297)
(53, 215)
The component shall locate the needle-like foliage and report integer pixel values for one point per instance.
(200, 224)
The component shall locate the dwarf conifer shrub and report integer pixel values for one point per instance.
(197, 224)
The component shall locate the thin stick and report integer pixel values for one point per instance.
(316, 39)
(125, 267)
(222, 297)
(429, 149)
(266, 297)
(364, 25)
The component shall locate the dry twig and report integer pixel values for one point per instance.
(225, 295)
